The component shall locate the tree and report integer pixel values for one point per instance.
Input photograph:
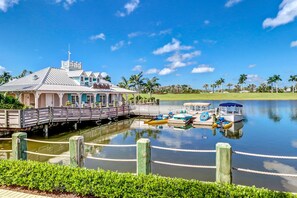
(222, 81)
(205, 86)
(242, 79)
(23, 74)
(5, 78)
(229, 85)
(107, 78)
(251, 87)
(124, 83)
(137, 81)
(276, 78)
(151, 84)
(270, 82)
(293, 79)
(213, 86)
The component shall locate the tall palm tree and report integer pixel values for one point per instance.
(125, 83)
(276, 78)
(137, 81)
(23, 74)
(205, 86)
(229, 85)
(151, 84)
(270, 82)
(222, 81)
(242, 79)
(107, 78)
(213, 86)
(293, 79)
(5, 78)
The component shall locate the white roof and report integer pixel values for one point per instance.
(55, 80)
(76, 73)
(90, 74)
(97, 75)
(197, 104)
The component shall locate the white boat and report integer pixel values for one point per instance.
(231, 112)
(182, 118)
(202, 113)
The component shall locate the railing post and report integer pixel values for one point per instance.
(19, 146)
(223, 163)
(76, 149)
(143, 156)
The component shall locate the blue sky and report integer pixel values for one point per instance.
(181, 42)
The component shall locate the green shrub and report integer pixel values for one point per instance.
(9, 102)
(50, 177)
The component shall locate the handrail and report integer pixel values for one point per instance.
(45, 142)
(265, 156)
(112, 160)
(5, 151)
(264, 173)
(183, 165)
(5, 139)
(45, 154)
(183, 150)
(110, 145)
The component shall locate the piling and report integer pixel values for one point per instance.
(19, 146)
(143, 156)
(223, 163)
(76, 149)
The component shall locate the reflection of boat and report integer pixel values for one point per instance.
(182, 118)
(180, 126)
(231, 112)
(234, 132)
(157, 122)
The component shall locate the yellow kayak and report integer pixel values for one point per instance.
(152, 122)
(228, 126)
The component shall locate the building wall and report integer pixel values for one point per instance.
(41, 101)
(56, 100)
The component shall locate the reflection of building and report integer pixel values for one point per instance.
(234, 132)
(69, 84)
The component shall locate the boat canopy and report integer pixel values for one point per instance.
(230, 104)
(204, 104)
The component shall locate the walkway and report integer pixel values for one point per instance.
(14, 194)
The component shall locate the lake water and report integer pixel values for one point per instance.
(270, 127)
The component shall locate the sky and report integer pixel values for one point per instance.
(190, 42)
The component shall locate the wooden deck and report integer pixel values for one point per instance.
(25, 119)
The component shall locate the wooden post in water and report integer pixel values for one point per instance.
(143, 156)
(76, 149)
(223, 163)
(19, 146)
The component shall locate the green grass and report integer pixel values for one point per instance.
(226, 96)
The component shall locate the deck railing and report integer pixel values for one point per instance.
(77, 156)
(21, 119)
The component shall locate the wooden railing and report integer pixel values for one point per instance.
(17, 119)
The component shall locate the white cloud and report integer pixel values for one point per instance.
(203, 69)
(175, 45)
(231, 3)
(119, 45)
(178, 60)
(152, 71)
(141, 60)
(254, 78)
(2, 69)
(98, 36)
(252, 65)
(209, 41)
(104, 74)
(293, 44)
(206, 22)
(5, 4)
(166, 71)
(294, 143)
(129, 8)
(286, 14)
(137, 68)
(135, 34)
(66, 3)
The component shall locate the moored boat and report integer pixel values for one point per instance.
(231, 112)
(182, 118)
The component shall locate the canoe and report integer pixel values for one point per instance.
(153, 122)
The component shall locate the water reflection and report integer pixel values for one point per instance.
(234, 132)
(273, 115)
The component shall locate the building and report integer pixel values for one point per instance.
(69, 85)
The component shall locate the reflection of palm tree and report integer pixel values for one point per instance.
(142, 133)
(273, 116)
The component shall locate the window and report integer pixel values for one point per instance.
(81, 78)
(97, 80)
(91, 79)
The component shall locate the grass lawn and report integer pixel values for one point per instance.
(226, 96)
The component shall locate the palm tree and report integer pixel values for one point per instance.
(107, 78)
(205, 86)
(213, 86)
(229, 85)
(222, 81)
(276, 78)
(5, 78)
(124, 83)
(137, 81)
(293, 79)
(270, 82)
(242, 79)
(23, 74)
(151, 84)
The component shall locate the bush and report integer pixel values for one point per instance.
(9, 102)
(51, 177)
